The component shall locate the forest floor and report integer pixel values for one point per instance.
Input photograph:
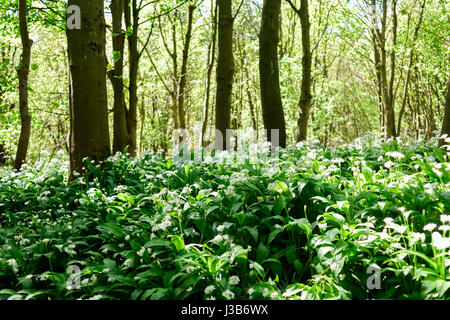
(366, 221)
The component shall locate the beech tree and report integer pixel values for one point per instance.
(225, 72)
(121, 136)
(272, 107)
(184, 66)
(89, 135)
(211, 56)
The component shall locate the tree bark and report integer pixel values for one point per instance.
(391, 126)
(306, 96)
(23, 74)
(411, 60)
(273, 114)
(121, 138)
(211, 56)
(446, 122)
(87, 85)
(385, 88)
(225, 72)
(184, 66)
(132, 22)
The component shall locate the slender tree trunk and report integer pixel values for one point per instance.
(252, 112)
(272, 107)
(446, 123)
(174, 91)
(225, 72)
(392, 132)
(23, 73)
(385, 87)
(306, 96)
(411, 61)
(121, 138)
(142, 114)
(211, 55)
(89, 135)
(132, 22)
(184, 66)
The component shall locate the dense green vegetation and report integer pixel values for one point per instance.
(306, 225)
(224, 149)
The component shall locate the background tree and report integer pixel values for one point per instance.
(184, 66)
(211, 53)
(346, 100)
(272, 106)
(88, 96)
(23, 74)
(446, 122)
(225, 72)
(306, 97)
(121, 136)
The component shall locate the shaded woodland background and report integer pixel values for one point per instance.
(345, 68)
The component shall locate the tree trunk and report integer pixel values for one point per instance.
(211, 55)
(184, 65)
(225, 71)
(446, 123)
(385, 88)
(23, 73)
(391, 126)
(272, 107)
(89, 136)
(121, 138)
(411, 60)
(306, 96)
(132, 21)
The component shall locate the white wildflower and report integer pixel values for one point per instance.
(228, 294)
(389, 164)
(128, 263)
(395, 154)
(13, 264)
(140, 253)
(445, 218)
(234, 280)
(190, 269)
(439, 242)
(209, 289)
(334, 266)
(397, 228)
(416, 237)
(396, 245)
(429, 227)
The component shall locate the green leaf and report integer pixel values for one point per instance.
(253, 232)
(178, 242)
